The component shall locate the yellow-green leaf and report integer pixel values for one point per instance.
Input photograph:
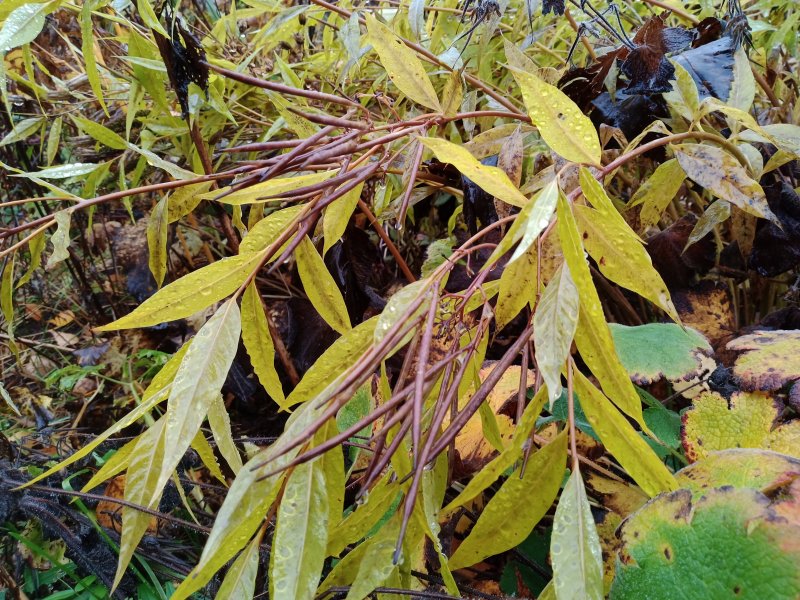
(114, 465)
(220, 423)
(401, 64)
(535, 221)
(622, 440)
(260, 192)
(258, 342)
(157, 241)
(184, 200)
(206, 453)
(190, 293)
(593, 337)
(724, 176)
(528, 498)
(657, 192)
(60, 238)
(54, 140)
(35, 248)
(7, 291)
(301, 534)
(337, 216)
(743, 86)
(198, 382)
(267, 230)
(100, 133)
(375, 567)
(517, 288)
(562, 125)
(320, 287)
(23, 129)
(575, 546)
(149, 17)
(87, 49)
(490, 179)
(240, 580)
(554, 325)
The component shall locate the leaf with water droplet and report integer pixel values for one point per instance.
(260, 192)
(157, 228)
(240, 580)
(320, 287)
(537, 220)
(23, 24)
(398, 304)
(655, 194)
(258, 342)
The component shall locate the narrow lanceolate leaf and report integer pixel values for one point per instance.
(184, 200)
(616, 249)
(267, 230)
(517, 287)
(337, 216)
(527, 498)
(657, 192)
(206, 453)
(141, 487)
(623, 441)
(320, 287)
(261, 192)
(101, 133)
(7, 290)
(575, 546)
(593, 337)
(724, 176)
(743, 86)
(240, 580)
(23, 24)
(401, 64)
(538, 218)
(554, 325)
(22, 130)
(114, 465)
(198, 382)
(62, 171)
(562, 125)
(246, 504)
(87, 48)
(60, 238)
(258, 342)
(399, 303)
(301, 534)
(490, 179)
(190, 293)
(220, 423)
(157, 241)
(35, 248)
(375, 567)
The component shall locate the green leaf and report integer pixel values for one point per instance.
(562, 125)
(22, 130)
(320, 287)
(721, 173)
(23, 24)
(657, 192)
(490, 179)
(575, 546)
(54, 140)
(554, 325)
(337, 216)
(149, 17)
(7, 291)
(87, 49)
(198, 382)
(62, 171)
(375, 567)
(100, 133)
(190, 293)
(402, 65)
(622, 440)
(60, 239)
(528, 498)
(35, 248)
(261, 192)
(240, 580)
(157, 241)
(258, 342)
(301, 534)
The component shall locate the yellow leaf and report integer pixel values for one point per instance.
(554, 325)
(402, 65)
(261, 192)
(622, 440)
(528, 498)
(267, 230)
(157, 241)
(517, 287)
(258, 342)
(656, 193)
(320, 287)
(562, 125)
(220, 423)
(616, 249)
(184, 200)
(490, 179)
(206, 453)
(114, 465)
(60, 239)
(337, 216)
(197, 384)
(721, 173)
(593, 337)
(190, 293)
(240, 580)
(537, 220)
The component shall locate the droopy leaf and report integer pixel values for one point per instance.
(554, 325)
(528, 498)
(616, 249)
(100, 133)
(399, 303)
(517, 288)
(240, 580)
(184, 200)
(60, 238)
(301, 534)
(337, 216)
(657, 192)
(374, 568)
(562, 125)
(157, 240)
(198, 382)
(320, 287)
(267, 230)
(656, 350)
(535, 221)
(622, 440)
(141, 487)
(401, 63)
(220, 423)
(258, 342)
(260, 192)
(711, 425)
(114, 465)
(492, 180)
(593, 336)
(87, 48)
(333, 362)
(190, 293)
(22, 130)
(721, 173)
(575, 546)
